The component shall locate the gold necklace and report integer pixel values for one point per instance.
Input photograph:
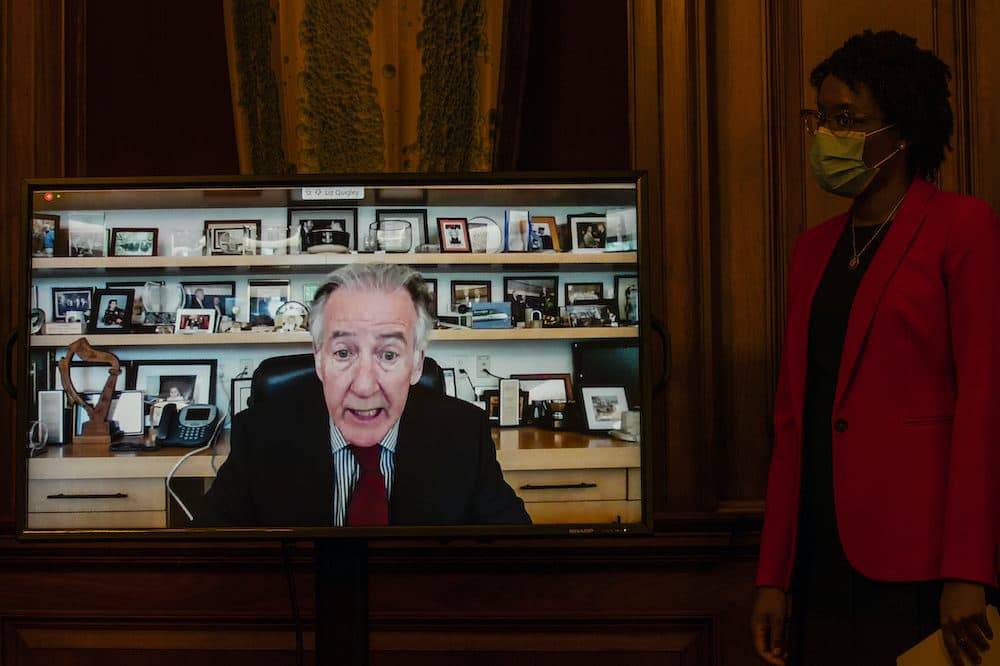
(855, 252)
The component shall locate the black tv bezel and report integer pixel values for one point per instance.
(643, 527)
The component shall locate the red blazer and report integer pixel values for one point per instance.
(916, 448)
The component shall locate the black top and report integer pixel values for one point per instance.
(840, 616)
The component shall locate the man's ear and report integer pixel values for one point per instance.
(317, 362)
(418, 368)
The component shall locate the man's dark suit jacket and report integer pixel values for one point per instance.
(280, 468)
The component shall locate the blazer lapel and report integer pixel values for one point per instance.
(894, 246)
(814, 263)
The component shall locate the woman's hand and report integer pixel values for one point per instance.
(768, 623)
(963, 621)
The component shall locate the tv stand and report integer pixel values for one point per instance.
(342, 602)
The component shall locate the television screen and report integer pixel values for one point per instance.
(370, 355)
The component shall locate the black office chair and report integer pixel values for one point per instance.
(293, 378)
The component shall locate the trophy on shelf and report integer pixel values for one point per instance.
(97, 430)
(160, 303)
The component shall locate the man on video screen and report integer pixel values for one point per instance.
(374, 447)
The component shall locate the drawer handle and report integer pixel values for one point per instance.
(88, 496)
(557, 486)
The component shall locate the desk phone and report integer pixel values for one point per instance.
(193, 425)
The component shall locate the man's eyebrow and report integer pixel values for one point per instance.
(392, 336)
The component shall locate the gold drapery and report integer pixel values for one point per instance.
(328, 86)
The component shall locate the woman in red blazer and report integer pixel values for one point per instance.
(883, 500)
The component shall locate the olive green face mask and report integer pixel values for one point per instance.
(837, 162)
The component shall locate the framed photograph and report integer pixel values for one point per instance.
(432, 289)
(544, 234)
(225, 237)
(469, 292)
(90, 376)
(454, 234)
(309, 292)
(112, 312)
(627, 297)
(583, 291)
(127, 410)
(540, 286)
(516, 231)
(492, 399)
(546, 386)
(591, 313)
(193, 381)
(70, 299)
(218, 296)
(603, 406)
(589, 232)
(265, 297)
(87, 238)
(134, 242)
(239, 395)
(313, 229)
(450, 387)
(44, 229)
(396, 229)
(192, 320)
(138, 290)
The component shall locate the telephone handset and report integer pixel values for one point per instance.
(193, 425)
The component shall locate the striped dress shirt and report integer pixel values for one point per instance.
(347, 471)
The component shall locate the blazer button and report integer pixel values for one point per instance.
(840, 425)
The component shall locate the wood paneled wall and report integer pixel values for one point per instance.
(714, 88)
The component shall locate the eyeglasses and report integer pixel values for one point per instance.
(838, 123)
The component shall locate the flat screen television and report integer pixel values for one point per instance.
(169, 383)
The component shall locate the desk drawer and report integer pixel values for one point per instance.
(569, 485)
(88, 495)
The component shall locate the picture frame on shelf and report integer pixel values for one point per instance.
(603, 406)
(469, 292)
(312, 230)
(215, 295)
(485, 235)
(127, 410)
(432, 289)
(454, 234)
(491, 397)
(595, 313)
(138, 290)
(543, 234)
(239, 394)
(70, 299)
(627, 297)
(583, 291)
(112, 312)
(194, 321)
(44, 233)
(309, 290)
(530, 286)
(546, 385)
(87, 238)
(134, 242)
(264, 297)
(516, 229)
(231, 237)
(589, 232)
(396, 229)
(90, 376)
(193, 379)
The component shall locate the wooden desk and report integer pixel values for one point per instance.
(563, 477)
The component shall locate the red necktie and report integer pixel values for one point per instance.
(369, 505)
